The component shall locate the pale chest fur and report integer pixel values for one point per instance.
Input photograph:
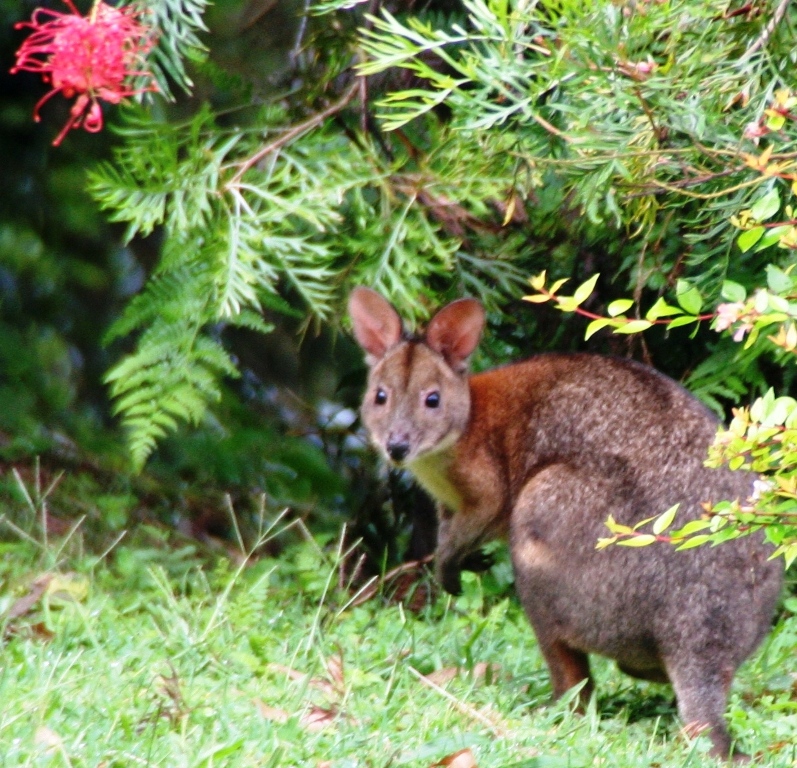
(433, 472)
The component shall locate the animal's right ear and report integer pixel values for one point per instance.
(377, 325)
(454, 332)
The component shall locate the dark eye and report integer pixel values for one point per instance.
(381, 397)
(432, 400)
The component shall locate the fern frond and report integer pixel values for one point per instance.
(163, 174)
(170, 379)
(182, 292)
(252, 321)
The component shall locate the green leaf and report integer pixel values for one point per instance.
(782, 408)
(616, 527)
(538, 281)
(778, 281)
(733, 291)
(790, 604)
(766, 206)
(643, 540)
(619, 306)
(596, 325)
(643, 522)
(693, 526)
(775, 121)
(749, 238)
(789, 553)
(683, 320)
(665, 520)
(603, 543)
(772, 236)
(634, 326)
(688, 297)
(584, 291)
(661, 309)
(694, 541)
(567, 303)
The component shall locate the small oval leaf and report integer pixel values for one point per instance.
(665, 520)
(582, 293)
(619, 306)
(661, 309)
(766, 206)
(634, 326)
(596, 325)
(688, 297)
(749, 238)
(732, 291)
(643, 540)
(695, 541)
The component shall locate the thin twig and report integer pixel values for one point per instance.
(297, 45)
(658, 132)
(372, 587)
(552, 128)
(466, 709)
(653, 187)
(761, 40)
(295, 132)
(708, 195)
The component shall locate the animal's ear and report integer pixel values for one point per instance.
(454, 332)
(377, 325)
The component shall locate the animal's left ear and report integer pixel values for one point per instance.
(454, 332)
(376, 324)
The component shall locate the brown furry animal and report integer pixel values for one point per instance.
(543, 451)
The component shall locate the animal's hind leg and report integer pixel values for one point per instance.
(701, 688)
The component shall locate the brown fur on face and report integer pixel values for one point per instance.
(542, 451)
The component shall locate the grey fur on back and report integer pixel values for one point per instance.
(614, 436)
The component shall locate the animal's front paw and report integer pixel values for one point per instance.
(448, 574)
(477, 561)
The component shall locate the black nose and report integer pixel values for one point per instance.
(398, 450)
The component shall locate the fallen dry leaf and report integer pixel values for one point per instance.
(486, 670)
(168, 686)
(295, 674)
(490, 720)
(313, 719)
(40, 631)
(335, 671)
(481, 670)
(443, 676)
(26, 603)
(462, 759)
(401, 581)
(48, 738)
(317, 718)
(271, 713)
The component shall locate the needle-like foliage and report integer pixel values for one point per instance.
(457, 151)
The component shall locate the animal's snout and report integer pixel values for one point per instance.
(398, 449)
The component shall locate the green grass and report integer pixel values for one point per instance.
(145, 658)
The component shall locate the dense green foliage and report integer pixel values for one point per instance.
(650, 133)
(433, 152)
(527, 134)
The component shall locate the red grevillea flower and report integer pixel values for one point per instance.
(87, 58)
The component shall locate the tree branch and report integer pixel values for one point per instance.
(761, 40)
(293, 133)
